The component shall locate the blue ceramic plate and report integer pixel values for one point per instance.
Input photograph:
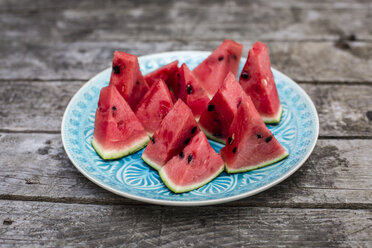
(132, 178)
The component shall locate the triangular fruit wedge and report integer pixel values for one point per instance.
(127, 78)
(250, 144)
(190, 91)
(257, 80)
(215, 121)
(193, 167)
(174, 133)
(166, 73)
(154, 106)
(117, 131)
(213, 70)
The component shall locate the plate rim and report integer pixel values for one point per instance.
(189, 203)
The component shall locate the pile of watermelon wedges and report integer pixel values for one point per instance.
(173, 110)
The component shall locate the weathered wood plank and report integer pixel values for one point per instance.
(39, 106)
(23, 5)
(51, 225)
(302, 61)
(337, 174)
(195, 20)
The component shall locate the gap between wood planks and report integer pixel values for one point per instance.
(71, 200)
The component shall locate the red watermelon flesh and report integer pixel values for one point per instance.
(253, 146)
(166, 73)
(174, 133)
(117, 131)
(127, 78)
(154, 106)
(213, 70)
(193, 167)
(190, 91)
(257, 80)
(215, 121)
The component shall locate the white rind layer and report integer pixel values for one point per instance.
(181, 189)
(275, 119)
(150, 162)
(209, 135)
(119, 153)
(249, 168)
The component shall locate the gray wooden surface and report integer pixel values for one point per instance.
(50, 48)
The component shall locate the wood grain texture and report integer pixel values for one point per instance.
(318, 62)
(53, 224)
(50, 48)
(337, 174)
(187, 21)
(39, 106)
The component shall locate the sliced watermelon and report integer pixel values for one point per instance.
(213, 70)
(117, 131)
(189, 90)
(257, 80)
(166, 73)
(215, 121)
(193, 167)
(154, 106)
(253, 146)
(174, 133)
(127, 78)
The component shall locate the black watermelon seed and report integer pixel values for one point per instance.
(189, 89)
(230, 140)
(193, 130)
(189, 158)
(245, 75)
(234, 150)
(178, 75)
(259, 136)
(210, 108)
(234, 56)
(220, 58)
(268, 139)
(116, 69)
(181, 155)
(240, 102)
(113, 108)
(137, 82)
(153, 140)
(217, 134)
(187, 141)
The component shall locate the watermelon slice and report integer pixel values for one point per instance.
(193, 167)
(253, 146)
(166, 73)
(174, 133)
(213, 70)
(127, 78)
(117, 131)
(215, 121)
(189, 90)
(257, 80)
(154, 106)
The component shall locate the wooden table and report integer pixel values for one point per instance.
(49, 49)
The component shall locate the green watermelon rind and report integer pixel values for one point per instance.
(183, 189)
(275, 119)
(116, 154)
(212, 137)
(264, 164)
(148, 161)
